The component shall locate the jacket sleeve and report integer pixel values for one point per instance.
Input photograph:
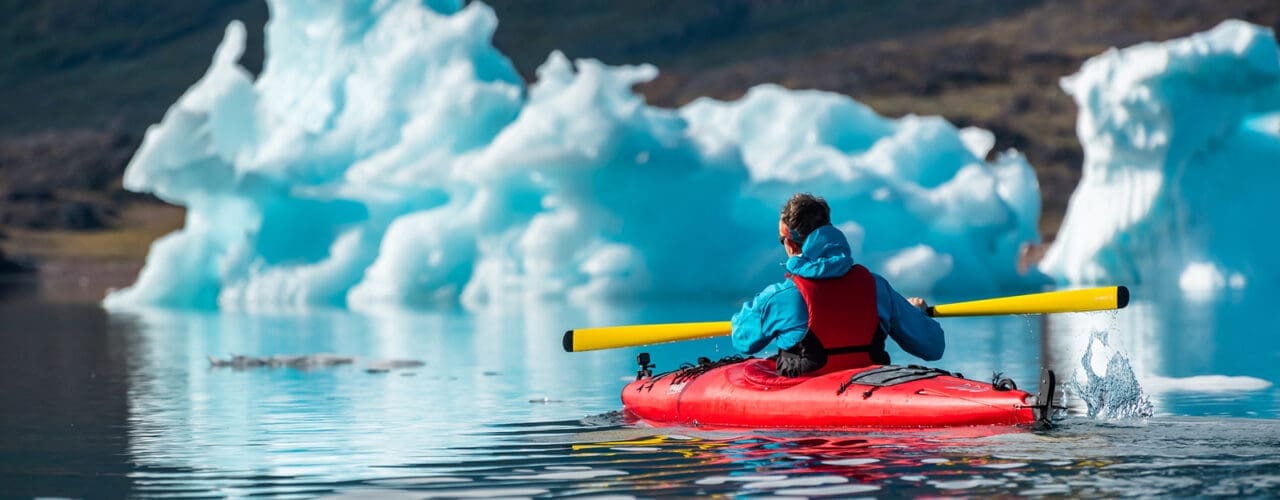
(777, 314)
(916, 332)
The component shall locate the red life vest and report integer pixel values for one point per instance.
(842, 314)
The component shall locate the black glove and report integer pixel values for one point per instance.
(806, 356)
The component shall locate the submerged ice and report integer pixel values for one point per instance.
(389, 155)
(1181, 142)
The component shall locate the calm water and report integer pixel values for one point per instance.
(101, 404)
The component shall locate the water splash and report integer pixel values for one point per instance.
(1115, 394)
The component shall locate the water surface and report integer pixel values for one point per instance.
(111, 404)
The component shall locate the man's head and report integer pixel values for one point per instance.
(800, 216)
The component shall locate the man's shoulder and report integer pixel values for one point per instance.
(782, 289)
(783, 296)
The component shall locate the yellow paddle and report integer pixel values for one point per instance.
(1090, 299)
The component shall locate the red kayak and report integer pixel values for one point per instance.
(748, 393)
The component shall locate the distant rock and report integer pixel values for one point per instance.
(384, 366)
(303, 362)
(309, 361)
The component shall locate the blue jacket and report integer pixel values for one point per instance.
(779, 314)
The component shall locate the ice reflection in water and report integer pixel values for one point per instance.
(227, 430)
(497, 409)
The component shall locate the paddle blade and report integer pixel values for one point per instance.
(609, 337)
(1090, 299)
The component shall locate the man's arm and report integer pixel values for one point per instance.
(777, 314)
(911, 328)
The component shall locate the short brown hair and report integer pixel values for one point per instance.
(803, 213)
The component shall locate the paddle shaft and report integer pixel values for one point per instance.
(1091, 299)
(1088, 299)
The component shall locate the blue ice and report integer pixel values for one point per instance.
(388, 155)
(1181, 142)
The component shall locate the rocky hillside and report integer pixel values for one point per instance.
(84, 78)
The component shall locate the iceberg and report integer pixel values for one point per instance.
(389, 156)
(1181, 143)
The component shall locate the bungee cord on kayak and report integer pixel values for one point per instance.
(892, 375)
(690, 371)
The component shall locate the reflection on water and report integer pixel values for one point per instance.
(63, 404)
(330, 422)
(108, 403)
(1077, 459)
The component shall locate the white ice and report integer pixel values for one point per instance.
(1181, 142)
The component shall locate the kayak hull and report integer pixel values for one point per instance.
(750, 394)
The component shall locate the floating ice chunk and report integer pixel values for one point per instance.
(1178, 159)
(1204, 383)
(1201, 277)
(1203, 280)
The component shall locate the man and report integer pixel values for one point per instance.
(829, 314)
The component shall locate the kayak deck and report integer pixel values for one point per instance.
(750, 394)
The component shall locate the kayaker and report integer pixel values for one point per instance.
(829, 314)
